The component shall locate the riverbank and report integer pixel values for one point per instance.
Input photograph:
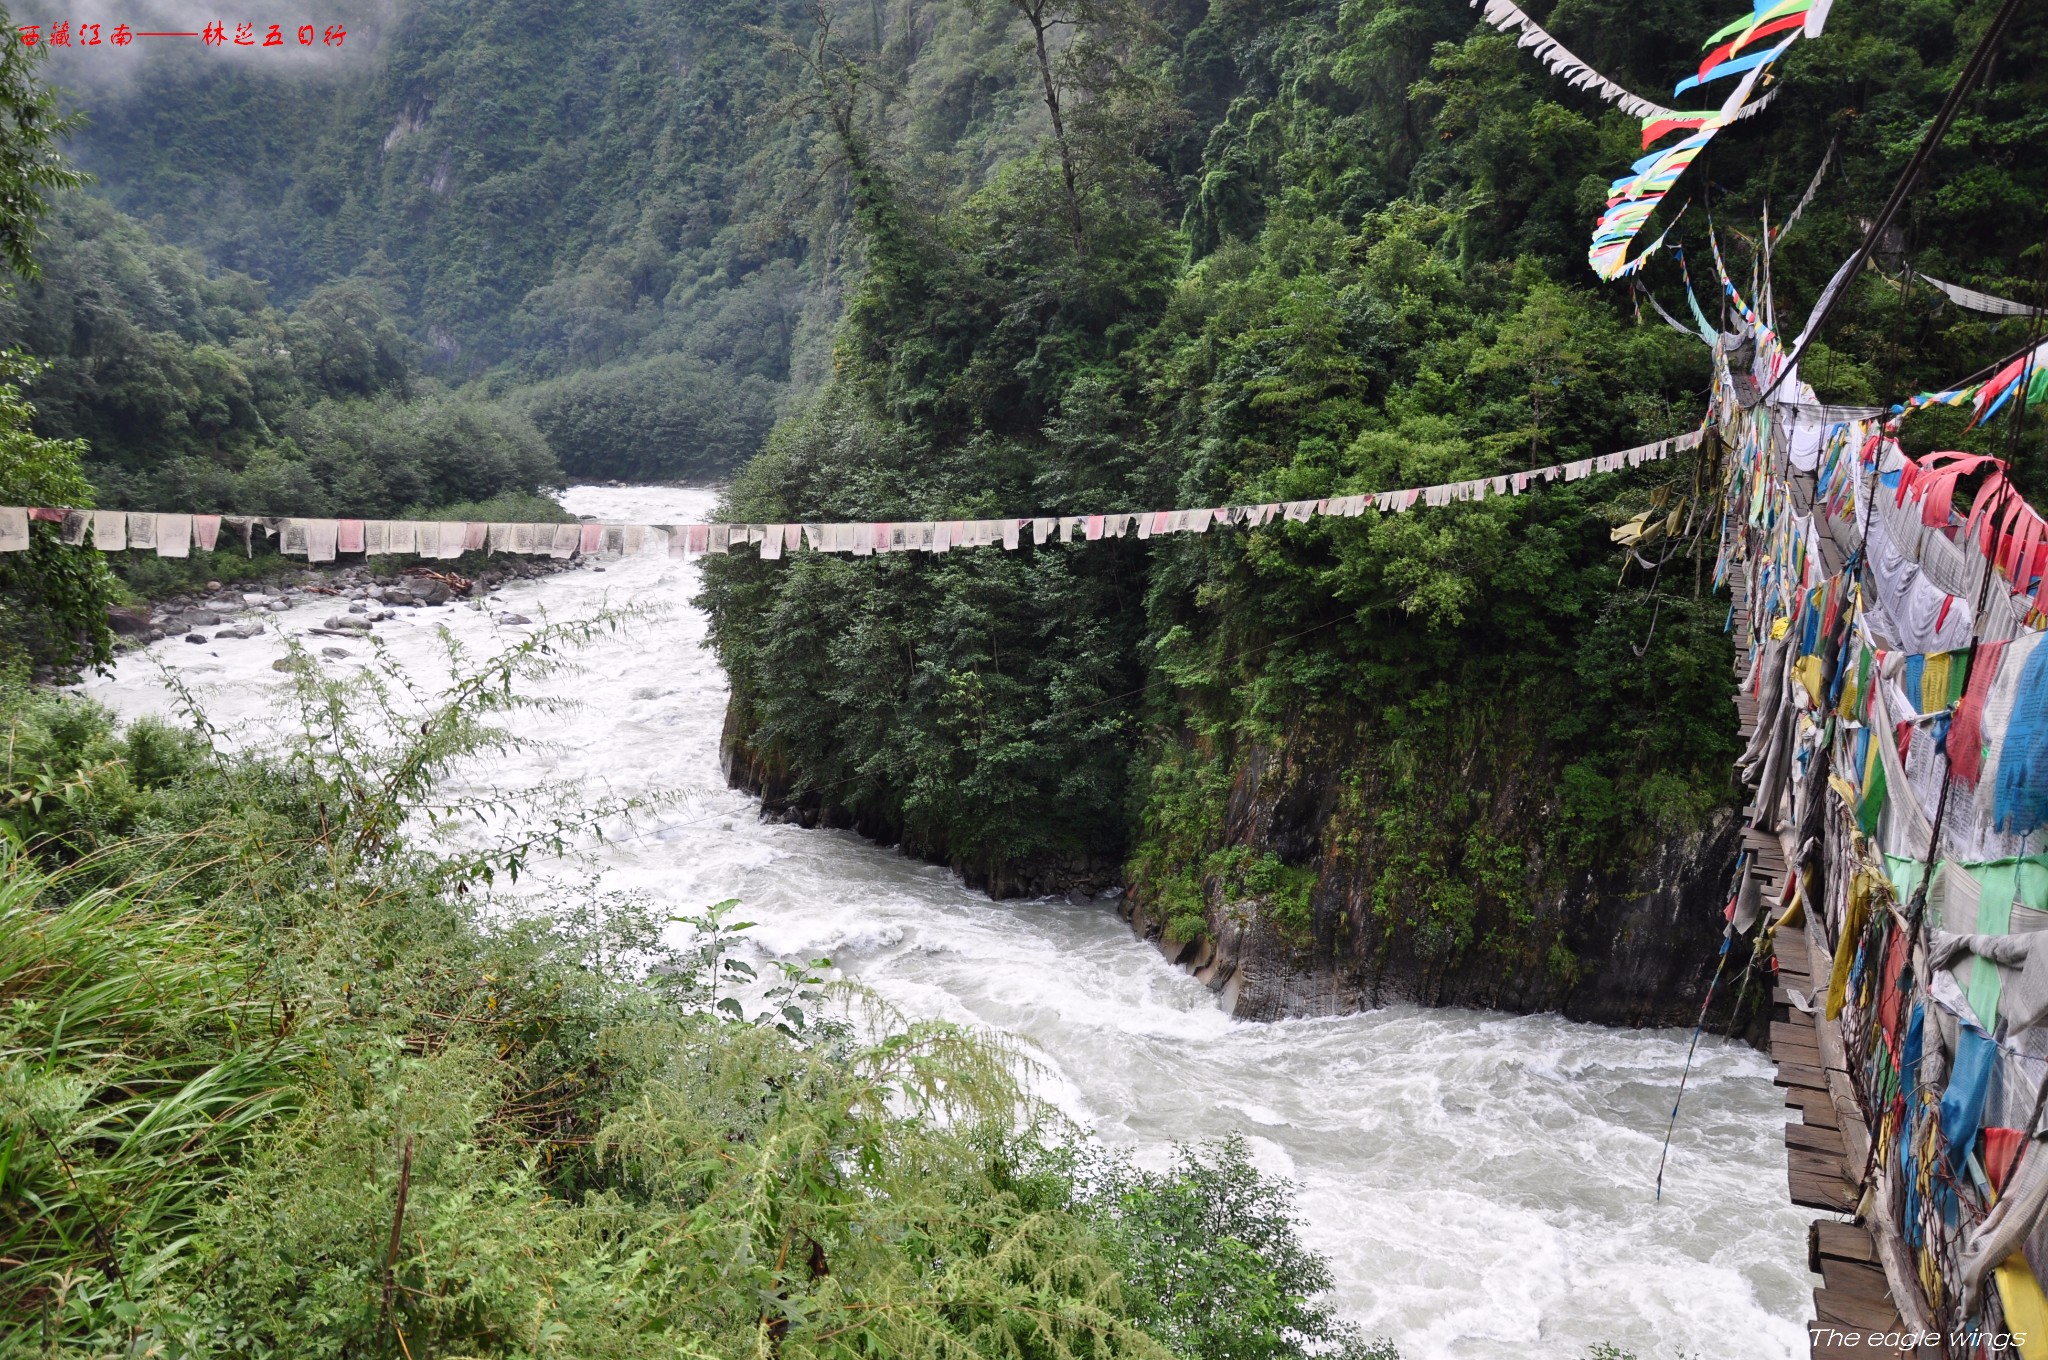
(364, 595)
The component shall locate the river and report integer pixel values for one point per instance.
(1481, 1183)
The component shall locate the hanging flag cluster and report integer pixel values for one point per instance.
(2028, 373)
(1508, 17)
(1745, 49)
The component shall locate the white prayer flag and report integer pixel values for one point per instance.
(141, 530)
(173, 535)
(13, 529)
(1010, 533)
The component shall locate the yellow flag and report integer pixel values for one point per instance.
(2026, 1310)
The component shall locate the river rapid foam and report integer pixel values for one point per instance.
(1481, 1183)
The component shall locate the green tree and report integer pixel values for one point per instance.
(53, 597)
(30, 165)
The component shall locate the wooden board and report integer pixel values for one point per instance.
(1797, 1074)
(1829, 1240)
(1825, 1192)
(1818, 1108)
(1814, 1138)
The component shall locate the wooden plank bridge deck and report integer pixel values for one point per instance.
(1826, 1144)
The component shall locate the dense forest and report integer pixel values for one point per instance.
(1304, 249)
(969, 259)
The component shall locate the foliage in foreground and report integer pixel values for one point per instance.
(271, 1084)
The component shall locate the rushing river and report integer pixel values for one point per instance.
(1480, 1183)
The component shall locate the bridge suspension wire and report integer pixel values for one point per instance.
(1727, 938)
(1980, 58)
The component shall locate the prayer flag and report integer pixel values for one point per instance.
(173, 535)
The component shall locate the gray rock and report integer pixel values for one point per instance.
(336, 653)
(195, 637)
(358, 607)
(201, 618)
(128, 622)
(430, 591)
(348, 623)
(254, 597)
(513, 618)
(277, 606)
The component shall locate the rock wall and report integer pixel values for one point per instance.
(1633, 942)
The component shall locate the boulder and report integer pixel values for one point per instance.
(348, 623)
(128, 622)
(201, 618)
(430, 591)
(513, 619)
(195, 637)
(253, 598)
(277, 606)
(336, 653)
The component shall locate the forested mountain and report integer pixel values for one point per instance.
(192, 391)
(1303, 249)
(610, 200)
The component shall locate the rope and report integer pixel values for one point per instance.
(1980, 58)
(1727, 937)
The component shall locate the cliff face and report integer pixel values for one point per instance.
(1375, 915)
(1472, 903)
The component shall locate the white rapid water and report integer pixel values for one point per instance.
(1481, 1183)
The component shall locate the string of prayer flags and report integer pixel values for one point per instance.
(2029, 372)
(322, 540)
(1734, 50)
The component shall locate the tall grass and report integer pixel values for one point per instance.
(138, 1058)
(273, 1084)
